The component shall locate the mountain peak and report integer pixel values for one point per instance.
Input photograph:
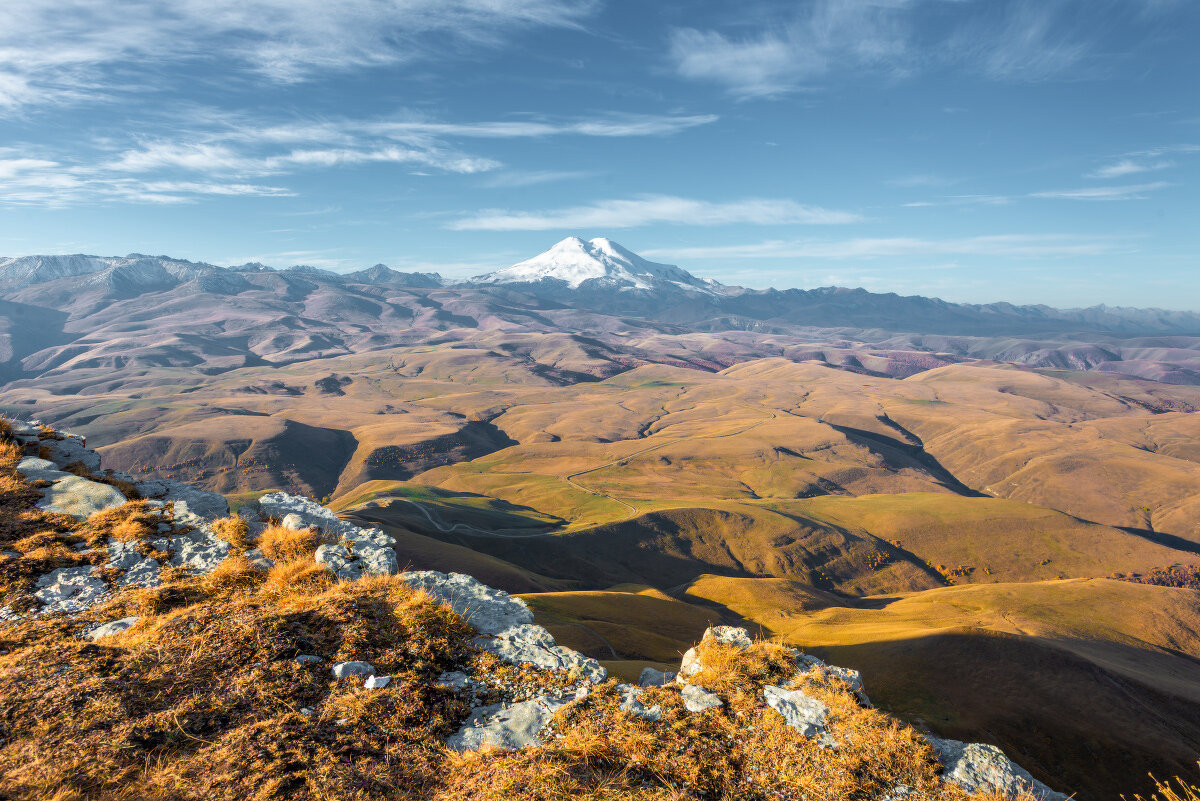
(599, 263)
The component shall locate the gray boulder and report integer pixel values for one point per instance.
(696, 699)
(115, 627)
(806, 715)
(343, 669)
(981, 768)
(655, 678)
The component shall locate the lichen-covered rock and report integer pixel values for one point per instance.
(71, 449)
(804, 714)
(981, 768)
(188, 500)
(697, 699)
(509, 726)
(530, 644)
(200, 550)
(631, 702)
(114, 627)
(71, 589)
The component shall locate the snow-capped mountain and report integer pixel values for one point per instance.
(597, 264)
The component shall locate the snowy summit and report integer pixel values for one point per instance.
(599, 263)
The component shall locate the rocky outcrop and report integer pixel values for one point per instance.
(982, 768)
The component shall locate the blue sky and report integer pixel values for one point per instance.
(977, 150)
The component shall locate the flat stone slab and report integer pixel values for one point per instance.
(69, 494)
(982, 768)
(509, 726)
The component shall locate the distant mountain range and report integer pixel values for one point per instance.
(603, 277)
(92, 320)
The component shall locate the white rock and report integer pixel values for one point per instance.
(852, 678)
(200, 549)
(489, 610)
(293, 522)
(343, 669)
(806, 715)
(696, 699)
(530, 644)
(980, 768)
(115, 627)
(377, 682)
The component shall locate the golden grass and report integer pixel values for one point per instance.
(235, 531)
(1177, 790)
(283, 544)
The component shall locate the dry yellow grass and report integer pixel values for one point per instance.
(283, 544)
(233, 530)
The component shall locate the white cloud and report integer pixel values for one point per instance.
(655, 209)
(67, 50)
(1125, 167)
(1135, 192)
(613, 125)
(1013, 245)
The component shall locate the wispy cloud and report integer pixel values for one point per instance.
(516, 178)
(69, 50)
(655, 209)
(1125, 167)
(1134, 192)
(1014, 245)
(1019, 40)
(828, 34)
(232, 154)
